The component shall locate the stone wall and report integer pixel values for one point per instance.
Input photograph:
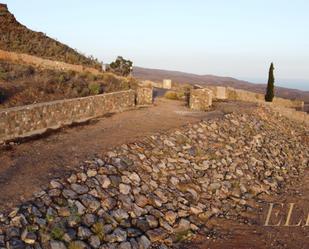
(290, 113)
(44, 63)
(200, 99)
(230, 93)
(37, 118)
(144, 96)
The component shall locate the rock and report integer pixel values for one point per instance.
(79, 189)
(64, 212)
(124, 188)
(12, 232)
(143, 242)
(83, 232)
(161, 195)
(104, 181)
(16, 244)
(142, 224)
(156, 235)
(91, 172)
(57, 245)
(170, 217)
(80, 207)
(120, 215)
(214, 186)
(174, 181)
(89, 219)
(94, 241)
(152, 221)
(69, 194)
(28, 237)
(133, 232)
(55, 184)
(90, 202)
(124, 245)
(183, 225)
(135, 177)
(141, 200)
(69, 235)
(72, 179)
(119, 235)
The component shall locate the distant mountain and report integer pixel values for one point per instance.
(181, 77)
(18, 38)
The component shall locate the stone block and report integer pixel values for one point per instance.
(144, 96)
(200, 99)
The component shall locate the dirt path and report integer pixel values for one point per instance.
(255, 235)
(29, 165)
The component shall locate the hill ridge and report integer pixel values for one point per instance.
(16, 37)
(209, 79)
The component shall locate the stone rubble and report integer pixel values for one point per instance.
(162, 189)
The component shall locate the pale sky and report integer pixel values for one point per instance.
(237, 38)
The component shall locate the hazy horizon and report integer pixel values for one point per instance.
(237, 39)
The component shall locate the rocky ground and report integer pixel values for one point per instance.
(161, 190)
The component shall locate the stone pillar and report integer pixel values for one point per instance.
(167, 84)
(200, 99)
(144, 96)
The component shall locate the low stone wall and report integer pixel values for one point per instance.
(44, 63)
(218, 92)
(37, 118)
(290, 113)
(144, 96)
(165, 84)
(200, 99)
(230, 93)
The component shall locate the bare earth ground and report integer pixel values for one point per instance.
(27, 166)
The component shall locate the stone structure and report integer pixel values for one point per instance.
(144, 96)
(167, 84)
(230, 93)
(200, 99)
(218, 92)
(37, 118)
(148, 83)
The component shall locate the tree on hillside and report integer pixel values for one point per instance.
(270, 85)
(121, 66)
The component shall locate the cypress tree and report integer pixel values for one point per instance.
(270, 85)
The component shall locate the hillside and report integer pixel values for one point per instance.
(181, 77)
(25, 84)
(18, 38)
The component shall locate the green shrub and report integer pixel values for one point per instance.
(98, 229)
(57, 232)
(94, 88)
(174, 95)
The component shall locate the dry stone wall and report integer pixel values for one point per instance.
(37, 118)
(243, 95)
